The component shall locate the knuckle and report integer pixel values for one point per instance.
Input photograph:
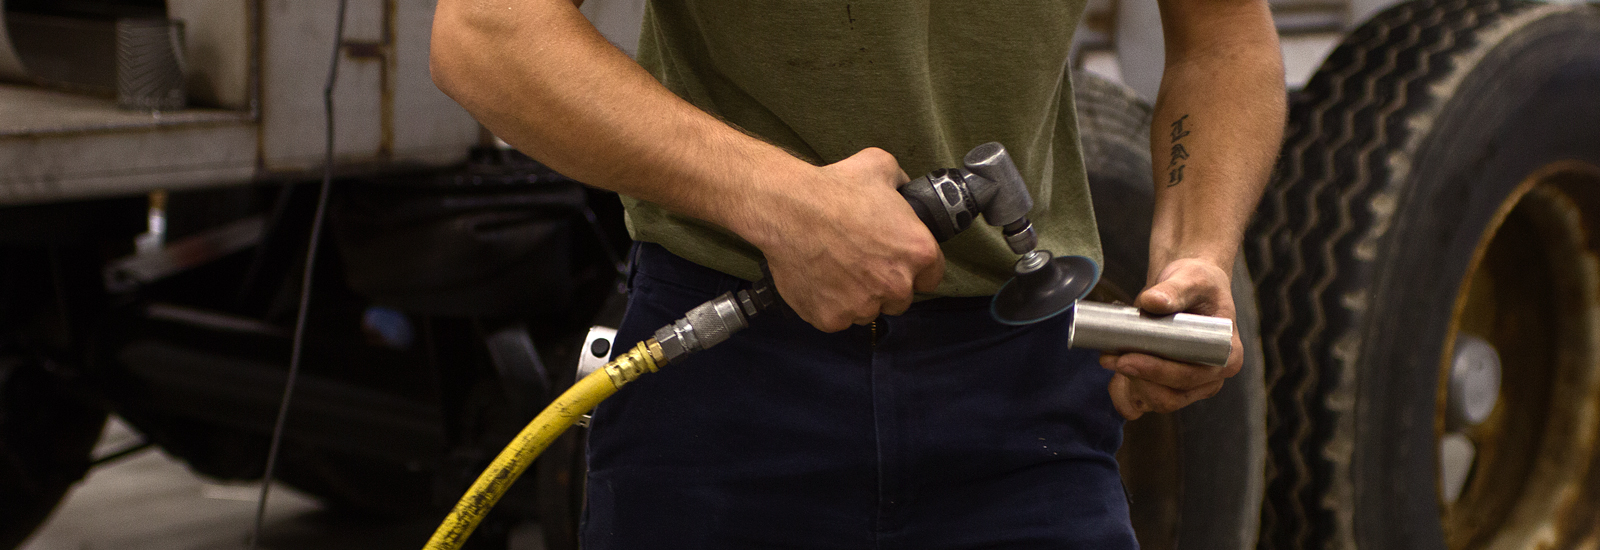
(1138, 405)
(1143, 363)
(926, 255)
(832, 321)
(862, 313)
(1212, 392)
(891, 290)
(896, 307)
(1167, 402)
(1206, 374)
(869, 310)
(1160, 398)
(879, 158)
(1191, 378)
(1231, 370)
(1126, 364)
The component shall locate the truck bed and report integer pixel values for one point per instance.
(59, 146)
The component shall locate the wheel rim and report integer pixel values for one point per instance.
(1516, 463)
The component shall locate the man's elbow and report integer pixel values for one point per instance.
(1207, 11)
(445, 59)
(442, 67)
(1205, 27)
(452, 51)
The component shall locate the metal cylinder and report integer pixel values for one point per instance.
(1181, 337)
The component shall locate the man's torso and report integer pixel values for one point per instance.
(924, 80)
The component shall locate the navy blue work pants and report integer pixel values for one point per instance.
(948, 431)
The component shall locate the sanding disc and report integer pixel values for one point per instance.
(1045, 292)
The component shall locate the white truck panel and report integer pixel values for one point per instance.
(216, 47)
(58, 146)
(434, 129)
(387, 110)
(61, 146)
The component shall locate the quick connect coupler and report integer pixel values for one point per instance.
(706, 325)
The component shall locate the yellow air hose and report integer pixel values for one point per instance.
(544, 429)
(704, 326)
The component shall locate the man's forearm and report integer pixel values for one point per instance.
(1216, 130)
(843, 246)
(539, 76)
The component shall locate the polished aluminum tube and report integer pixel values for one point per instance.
(1181, 337)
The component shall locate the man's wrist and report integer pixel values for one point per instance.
(1221, 257)
(767, 188)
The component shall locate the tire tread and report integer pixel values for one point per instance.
(1312, 245)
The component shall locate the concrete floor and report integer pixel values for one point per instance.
(151, 501)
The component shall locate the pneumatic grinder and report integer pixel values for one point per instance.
(947, 201)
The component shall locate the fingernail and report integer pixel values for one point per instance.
(1160, 297)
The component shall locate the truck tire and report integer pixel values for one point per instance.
(1439, 185)
(1195, 476)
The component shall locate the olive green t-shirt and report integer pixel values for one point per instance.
(925, 80)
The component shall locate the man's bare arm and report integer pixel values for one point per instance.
(842, 244)
(1217, 128)
(1216, 131)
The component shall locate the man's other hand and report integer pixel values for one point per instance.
(1145, 383)
(844, 246)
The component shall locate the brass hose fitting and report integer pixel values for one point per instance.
(642, 359)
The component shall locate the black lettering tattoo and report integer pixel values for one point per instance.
(1179, 152)
(1177, 129)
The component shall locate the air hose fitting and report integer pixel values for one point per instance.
(643, 358)
(704, 326)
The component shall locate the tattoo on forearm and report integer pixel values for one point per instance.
(1179, 153)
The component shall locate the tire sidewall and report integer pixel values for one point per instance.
(1484, 142)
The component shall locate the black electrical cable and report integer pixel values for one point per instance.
(280, 207)
(305, 283)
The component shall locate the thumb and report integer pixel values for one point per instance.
(1171, 295)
